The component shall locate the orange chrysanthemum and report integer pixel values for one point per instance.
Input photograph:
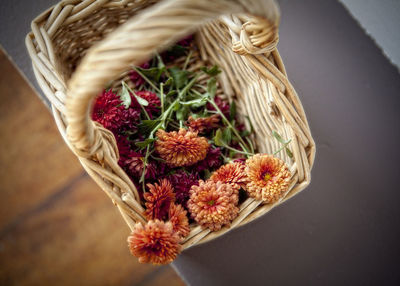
(213, 204)
(204, 123)
(183, 148)
(179, 220)
(268, 177)
(232, 173)
(155, 243)
(158, 199)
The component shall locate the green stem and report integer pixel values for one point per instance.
(187, 60)
(229, 124)
(283, 147)
(146, 79)
(251, 144)
(161, 64)
(143, 176)
(141, 106)
(162, 97)
(188, 86)
(238, 151)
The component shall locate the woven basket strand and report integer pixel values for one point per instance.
(79, 46)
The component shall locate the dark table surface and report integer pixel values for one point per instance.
(344, 228)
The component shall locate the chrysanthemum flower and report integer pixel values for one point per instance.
(183, 148)
(187, 41)
(268, 177)
(203, 124)
(182, 182)
(134, 166)
(179, 220)
(124, 148)
(222, 104)
(232, 173)
(136, 78)
(211, 161)
(129, 120)
(155, 243)
(158, 199)
(213, 205)
(108, 111)
(152, 99)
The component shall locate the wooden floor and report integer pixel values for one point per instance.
(56, 225)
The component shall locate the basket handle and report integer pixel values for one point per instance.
(136, 40)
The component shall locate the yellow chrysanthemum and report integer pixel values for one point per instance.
(268, 177)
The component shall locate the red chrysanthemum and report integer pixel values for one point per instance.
(187, 41)
(213, 205)
(240, 160)
(182, 182)
(222, 104)
(179, 220)
(212, 160)
(155, 243)
(130, 119)
(159, 199)
(135, 163)
(151, 98)
(183, 148)
(124, 149)
(203, 124)
(108, 111)
(136, 78)
(232, 173)
(268, 177)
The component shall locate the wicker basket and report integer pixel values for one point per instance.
(78, 46)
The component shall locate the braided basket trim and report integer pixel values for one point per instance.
(243, 46)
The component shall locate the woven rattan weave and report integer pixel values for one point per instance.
(77, 47)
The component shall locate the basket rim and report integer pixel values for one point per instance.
(41, 51)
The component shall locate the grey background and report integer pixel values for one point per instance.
(381, 20)
(343, 229)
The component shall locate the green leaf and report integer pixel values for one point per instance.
(181, 114)
(245, 133)
(212, 71)
(145, 143)
(232, 110)
(146, 126)
(218, 140)
(176, 106)
(202, 102)
(212, 86)
(278, 137)
(125, 96)
(177, 51)
(227, 136)
(232, 153)
(195, 103)
(141, 101)
(169, 81)
(171, 93)
(152, 73)
(288, 152)
(180, 76)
